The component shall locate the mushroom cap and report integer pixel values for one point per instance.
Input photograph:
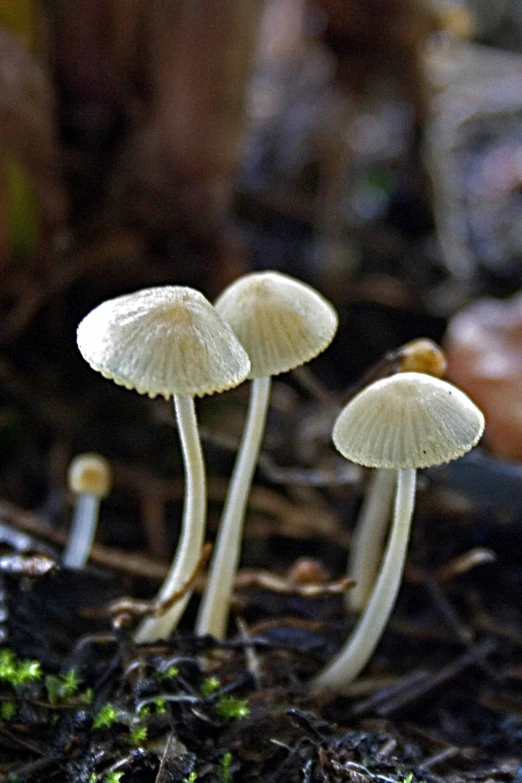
(166, 340)
(410, 420)
(423, 355)
(90, 473)
(281, 322)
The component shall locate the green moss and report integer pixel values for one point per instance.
(161, 707)
(209, 685)
(106, 717)
(7, 710)
(138, 735)
(114, 777)
(230, 707)
(225, 764)
(27, 671)
(170, 673)
(16, 672)
(87, 696)
(61, 687)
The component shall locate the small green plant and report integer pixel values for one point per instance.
(7, 664)
(18, 672)
(106, 717)
(225, 764)
(61, 687)
(170, 673)
(70, 683)
(87, 696)
(114, 777)
(138, 735)
(7, 710)
(407, 779)
(192, 778)
(27, 671)
(230, 707)
(209, 686)
(53, 686)
(161, 707)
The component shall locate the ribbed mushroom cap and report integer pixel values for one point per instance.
(90, 473)
(410, 420)
(281, 322)
(167, 340)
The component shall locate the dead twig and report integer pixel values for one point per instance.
(164, 758)
(464, 563)
(266, 580)
(459, 565)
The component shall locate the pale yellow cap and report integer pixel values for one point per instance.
(167, 340)
(410, 420)
(90, 474)
(281, 322)
(423, 355)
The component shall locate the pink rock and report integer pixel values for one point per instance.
(484, 351)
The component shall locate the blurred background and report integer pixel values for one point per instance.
(372, 149)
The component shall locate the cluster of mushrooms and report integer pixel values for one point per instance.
(171, 341)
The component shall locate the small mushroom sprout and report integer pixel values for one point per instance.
(402, 423)
(282, 323)
(168, 341)
(89, 477)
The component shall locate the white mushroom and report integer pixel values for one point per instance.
(419, 355)
(89, 477)
(282, 323)
(168, 341)
(405, 422)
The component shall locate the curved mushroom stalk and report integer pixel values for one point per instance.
(354, 656)
(215, 605)
(214, 609)
(192, 527)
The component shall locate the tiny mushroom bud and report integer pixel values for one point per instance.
(402, 423)
(420, 355)
(282, 323)
(169, 341)
(89, 477)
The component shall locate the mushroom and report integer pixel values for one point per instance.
(282, 323)
(419, 355)
(402, 423)
(89, 476)
(168, 341)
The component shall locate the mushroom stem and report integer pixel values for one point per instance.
(215, 604)
(82, 532)
(354, 656)
(192, 526)
(368, 537)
